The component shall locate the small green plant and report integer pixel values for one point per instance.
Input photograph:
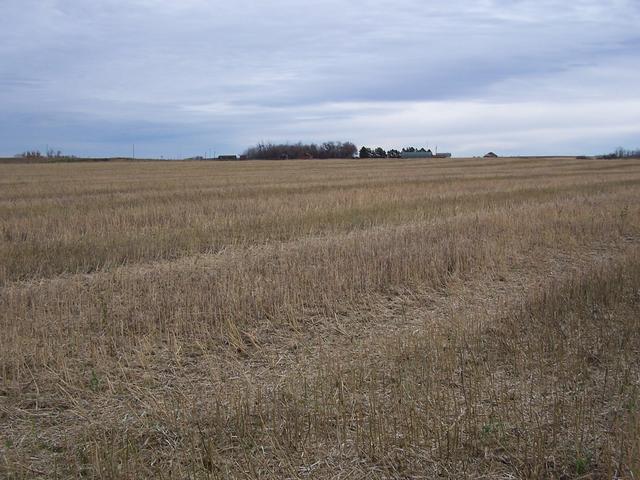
(582, 465)
(94, 383)
(488, 428)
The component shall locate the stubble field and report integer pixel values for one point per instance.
(457, 318)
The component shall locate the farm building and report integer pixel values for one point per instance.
(491, 155)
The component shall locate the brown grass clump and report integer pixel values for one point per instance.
(370, 319)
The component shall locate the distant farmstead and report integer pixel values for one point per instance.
(491, 155)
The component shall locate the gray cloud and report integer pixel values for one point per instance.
(185, 76)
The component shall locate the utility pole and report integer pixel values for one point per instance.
(134, 151)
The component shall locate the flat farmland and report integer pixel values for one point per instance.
(460, 318)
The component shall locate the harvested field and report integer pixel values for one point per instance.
(455, 318)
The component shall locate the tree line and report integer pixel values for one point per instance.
(623, 153)
(379, 152)
(51, 153)
(272, 151)
(275, 151)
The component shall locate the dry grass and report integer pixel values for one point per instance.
(382, 319)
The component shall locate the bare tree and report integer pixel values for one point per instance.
(269, 151)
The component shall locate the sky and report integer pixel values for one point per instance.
(180, 78)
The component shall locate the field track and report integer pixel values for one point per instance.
(461, 318)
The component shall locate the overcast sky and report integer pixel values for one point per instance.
(186, 77)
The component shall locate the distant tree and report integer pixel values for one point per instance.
(393, 153)
(51, 153)
(347, 150)
(379, 152)
(365, 152)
